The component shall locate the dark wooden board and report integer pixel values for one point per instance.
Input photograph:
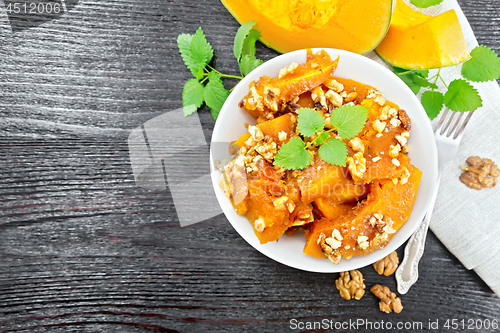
(83, 249)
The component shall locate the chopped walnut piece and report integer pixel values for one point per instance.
(350, 285)
(334, 98)
(378, 125)
(318, 96)
(363, 242)
(288, 69)
(334, 85)
(357, 164)
(259, 224)
(405, 120)
(388, 300)
(387, 265)
(271, 98)
(379, 100)
(394, 150)
(330, 246)
(351, 97)
(479, 173)
(357, 144)
(256, 133)
(282, 136)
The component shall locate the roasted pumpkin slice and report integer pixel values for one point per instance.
(269, 94)
(356, 26)
(372, 223)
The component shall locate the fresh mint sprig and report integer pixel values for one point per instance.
(207, 86)
(460, 95)
(347, 121)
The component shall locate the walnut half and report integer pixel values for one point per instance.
(479, 173)
(388, 300)
(350, 285)
(387, 265)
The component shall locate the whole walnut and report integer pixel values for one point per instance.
(387, 265)
(350, 285)
(388, 300)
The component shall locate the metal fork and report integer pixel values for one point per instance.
(448, 134)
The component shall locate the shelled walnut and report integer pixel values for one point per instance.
(388, 300)
(387, 265)
(479, 173)
(350, 285)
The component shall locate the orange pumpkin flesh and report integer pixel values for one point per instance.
(356, 26)
(418, 41)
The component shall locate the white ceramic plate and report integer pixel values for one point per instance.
(288, 250)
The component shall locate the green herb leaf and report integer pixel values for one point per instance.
(322, 137)
(189, 110)
(248, 63)
(293, 155)
(414, 79)
(192, 94)
(461, 96)
(215, 94)
(201, 50)
(240, 38)
(349, 120)
(483, 66)
(425, 3)
(249, 43)
(183, 43)
(334, 152)
(422, 72)
(432, 101)
(310, 122)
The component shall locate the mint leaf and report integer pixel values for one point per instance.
(484, 65)
(249, 43)
(425, 3)
(215, 94)
(189, 110)
(240, 37)
(310, 121)
(192, 94)
(432, 101)
(334, 152)
(322, 138)
(422, 72)
(201, 50)
(183, 43)
(248, 63)
(461, 96)
(293, 155)
(349, 120)
(414, 79)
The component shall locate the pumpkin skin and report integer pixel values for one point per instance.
(418, 41)
(289, 25)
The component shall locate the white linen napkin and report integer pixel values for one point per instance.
(467, 221)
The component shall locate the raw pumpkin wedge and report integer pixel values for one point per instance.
(288, 25)
(418, 41)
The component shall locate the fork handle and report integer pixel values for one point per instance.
(407, 272)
